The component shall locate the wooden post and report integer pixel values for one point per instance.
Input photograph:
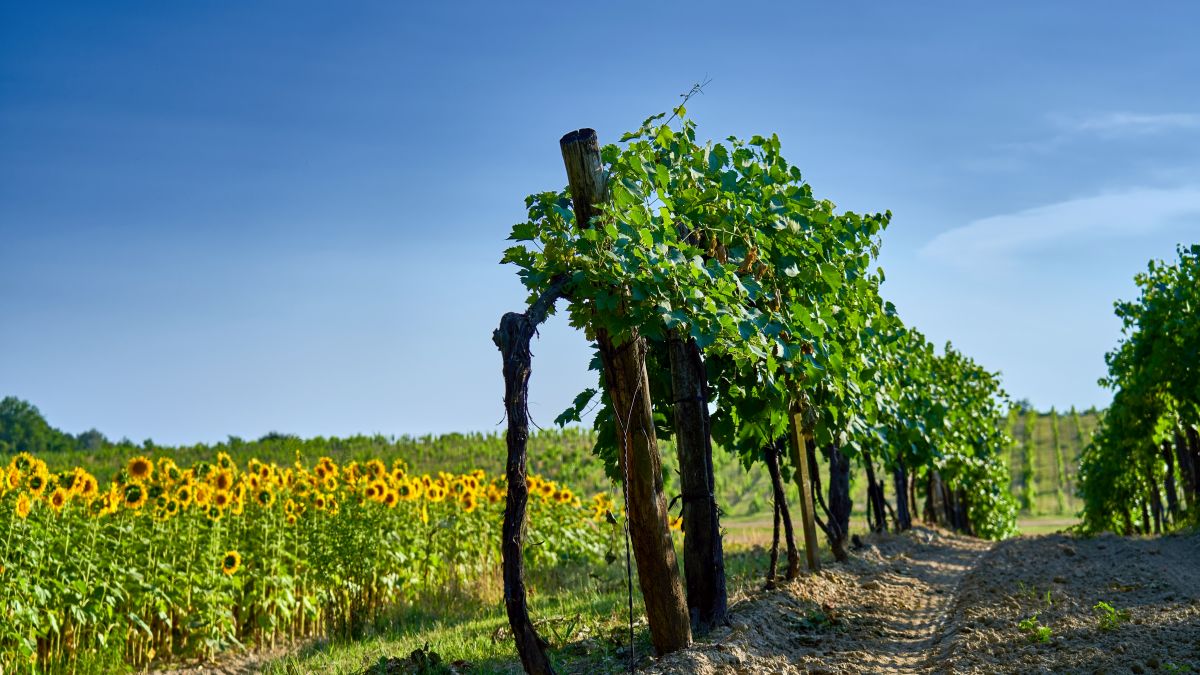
(703, 553)
(800, 460)
(641, 464)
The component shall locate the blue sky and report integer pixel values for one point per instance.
(230, 218)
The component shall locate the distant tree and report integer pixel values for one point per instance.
(23, 429)
(1024, 406)
(90, 441)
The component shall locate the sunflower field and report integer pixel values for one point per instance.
(168, 561)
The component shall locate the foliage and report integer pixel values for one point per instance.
(1034, 630)
(1155, 373)
(726, 244)
(1110, 617)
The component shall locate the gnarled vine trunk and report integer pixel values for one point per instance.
(900, 482)
(773, 454)
(839, 502)
(1186, 470)
(875, 497)
(1169, 481)
(512, 338)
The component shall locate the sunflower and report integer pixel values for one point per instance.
(265, 498)
(231, 562)
(24, 506)
(36, 483)
(202, 494)
(399, 475)
(564, 496)
(87, 486)
(330, 483)
(22, 461)
(264, 472)
(221, 499)
(225, 461)
(676, 522)
(406, 490)
(135, 496)
(391, 498)
(172, 507)
(214, 513)
(140, 468)
(380, 488)
(319, 501)
(184, 494)
(14, 477)
(468, 502)
(435, 493)
(291, 519)
(376, 468)
(221, 479)
(495, 494)
(168, 471)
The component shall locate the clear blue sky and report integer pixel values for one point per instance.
(230, 218)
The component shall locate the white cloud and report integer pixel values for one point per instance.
(998, 241)
(1123, 124)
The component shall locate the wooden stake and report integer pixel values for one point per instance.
(800, 460)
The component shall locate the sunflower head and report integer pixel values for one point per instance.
(225, 462)
(265, 498)
(135, 496)
(36, 483)
(468, 502)
(391, 498)
(140, 468)
(58, 499)
(23, 461)
(202, 494)
(221, 479)
(230, 563)
(214, 513)
(24, 506)
(376, 468)
(221, 499)
(564, 496)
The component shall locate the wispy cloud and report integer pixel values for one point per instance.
(999, 241)
(1122, 124)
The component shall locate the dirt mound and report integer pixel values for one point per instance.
(1054, 585)
(881, 612)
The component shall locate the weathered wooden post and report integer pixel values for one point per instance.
(703, 553)
(800, 460)
(628, 385)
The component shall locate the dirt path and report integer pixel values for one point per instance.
(884, 611)
(1153, 586)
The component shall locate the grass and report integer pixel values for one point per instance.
(581, 612)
